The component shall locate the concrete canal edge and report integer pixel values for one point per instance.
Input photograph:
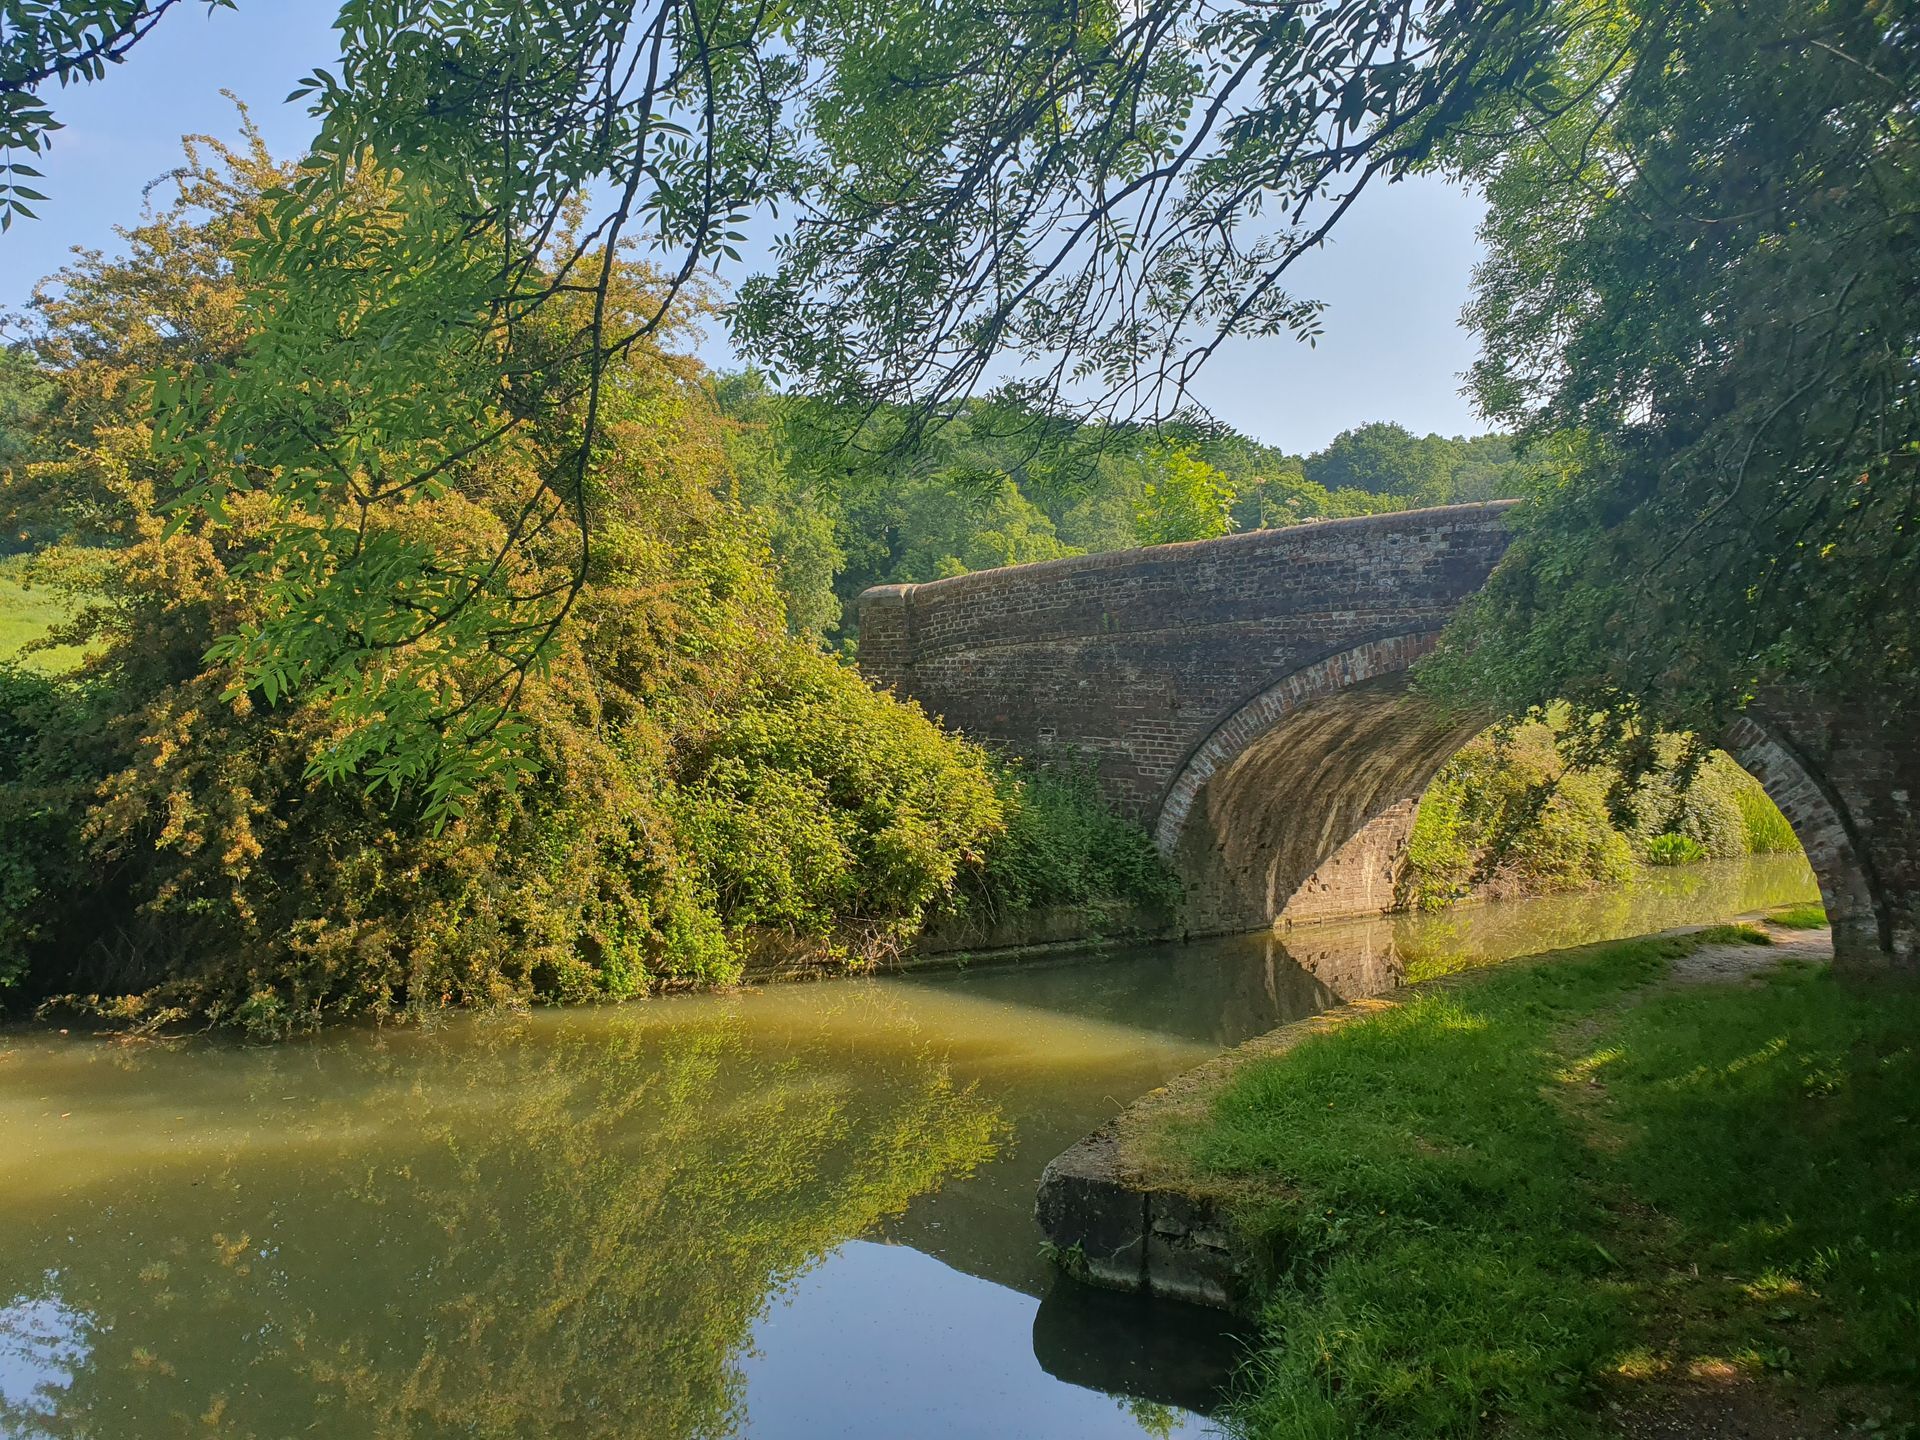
(1117, 1210)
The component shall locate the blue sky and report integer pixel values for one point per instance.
(1394, 277)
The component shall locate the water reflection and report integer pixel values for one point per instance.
(516, 1230)
(806, 1211)
(848, 1352)
(43, 1344)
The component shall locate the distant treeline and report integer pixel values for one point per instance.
(852, 506)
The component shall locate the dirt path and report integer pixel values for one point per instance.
(1727, 963)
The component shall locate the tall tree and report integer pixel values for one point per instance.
(1699, 299)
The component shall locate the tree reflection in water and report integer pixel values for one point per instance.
(545, 1227)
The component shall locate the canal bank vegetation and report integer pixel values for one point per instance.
(191, 830)
(1515, 813)
(1537, 1199)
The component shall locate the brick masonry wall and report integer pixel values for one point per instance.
(1133, 658)
(1360, 877)
(1847, 777)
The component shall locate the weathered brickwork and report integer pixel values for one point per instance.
(1361, 877)
(1246, 699)
(1847, 777)
(1135, 657)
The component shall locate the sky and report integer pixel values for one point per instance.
(1394, 277)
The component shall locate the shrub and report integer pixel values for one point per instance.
(1512, 815)
(168, 848)
(1705, 808)
(1063, 845)
(1503, 812)
(818, 802)
(41, 870)
(1674, 849)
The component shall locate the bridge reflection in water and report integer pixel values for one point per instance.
(803, 1211)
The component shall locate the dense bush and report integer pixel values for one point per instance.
(1063, 845)
(171, 848)
(1508, 815)
(1708, 807)
(820, 803)
(1504, 813)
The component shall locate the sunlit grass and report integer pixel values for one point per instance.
(1512, 1197)
(1799, 917)
(27, 612)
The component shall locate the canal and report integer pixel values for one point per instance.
(800, 1211)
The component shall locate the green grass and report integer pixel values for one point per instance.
(26, 613)
(1799, 917)
(1511, 1197)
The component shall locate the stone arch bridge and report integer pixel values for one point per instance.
(1247, 699)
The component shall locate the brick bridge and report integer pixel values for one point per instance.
(1247, 699)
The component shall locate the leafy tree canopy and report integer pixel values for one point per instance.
(1388, 459)
(1098, 193)
(1698, 303)
(1697, 306)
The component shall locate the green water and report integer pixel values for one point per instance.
(803, 1211)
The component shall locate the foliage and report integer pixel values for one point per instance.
(1120, 190)
(1768, 831)
(816, 803)
(1705, 800)
(1514, 813)
(698, 773)
(1389, 460)
(1187, 500)
(24, 393)
(1289, 498)
(1698, 304)
(1002, 482)
(1674, 849)
(1506, 811)
(1509, 1197)
(41, 784)
(1063, 845)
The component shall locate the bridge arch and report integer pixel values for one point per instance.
(1866, 921)
(1299, 803)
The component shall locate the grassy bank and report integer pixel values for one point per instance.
(1523, 1202)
